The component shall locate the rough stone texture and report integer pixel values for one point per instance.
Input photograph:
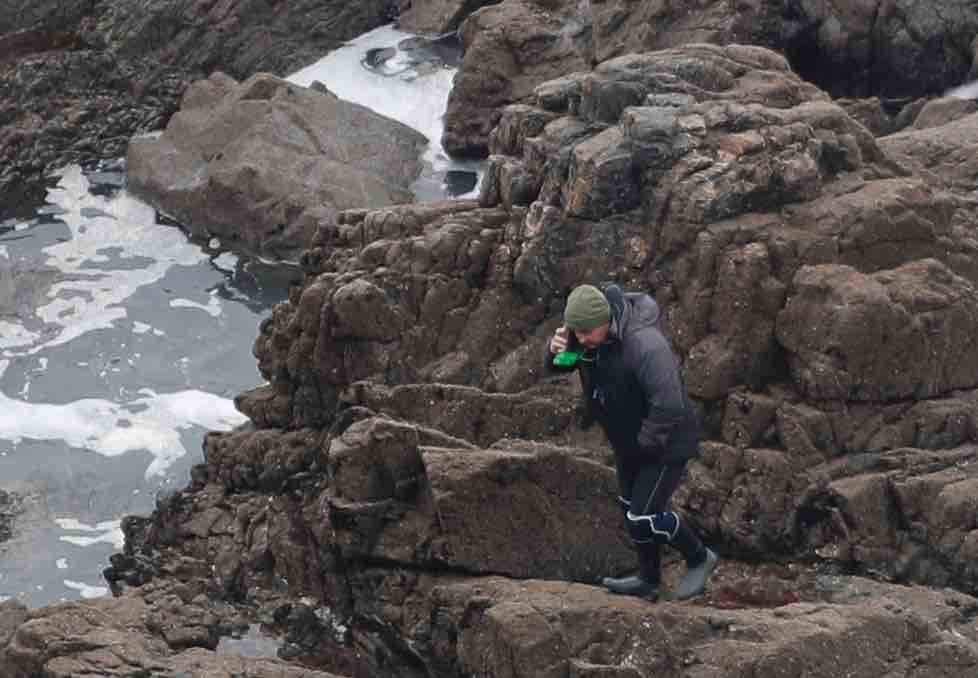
(621, 27)
(260, 163)
(534, 629)
(124, 637)
(900, 48)
(412, 498)
(943, 154)
(78, 105)
(240, 38)
(889, 336)
(436, 16)
(77, 79)
(509, 49)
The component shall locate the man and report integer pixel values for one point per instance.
(632, 387)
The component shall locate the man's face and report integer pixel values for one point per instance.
(592, 338)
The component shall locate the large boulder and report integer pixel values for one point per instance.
(942, 153)
(125, 636)
(77, 80)
(262, 162)
(891, 335)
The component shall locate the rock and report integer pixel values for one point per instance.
(249, 166)
(117, 637)
(414, 497)
(881, 337)
(494, 626)
(621, 27)
(471, 507)
(942, 111)
(94, 77)
(878, 52)
(943, 154)
(436, 16)
(239, 38)
(510, 48)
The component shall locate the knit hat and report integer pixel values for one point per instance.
(586, 308)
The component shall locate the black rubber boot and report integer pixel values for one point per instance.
(646, 584)
(700, 563)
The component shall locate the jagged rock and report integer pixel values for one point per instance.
(66, 105)
(259, 166)
(943, 154)
(621, 27)
(887, 336)
(509, 49)
(942, 111)
(407, 445)
(471, 510)
(891, 50)
(497, 627)
(119, 637)
(240, 38)
(436, 16)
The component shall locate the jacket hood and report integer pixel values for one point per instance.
(630, 312)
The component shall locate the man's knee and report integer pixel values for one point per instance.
(660, 528)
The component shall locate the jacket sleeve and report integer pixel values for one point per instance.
(657, 371)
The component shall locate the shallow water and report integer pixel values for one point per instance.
(122, 342)
(411, 86)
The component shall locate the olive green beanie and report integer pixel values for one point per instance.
(586, 308)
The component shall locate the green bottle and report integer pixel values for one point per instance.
(567, 358)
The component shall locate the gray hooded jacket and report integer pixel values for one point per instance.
(633, 387)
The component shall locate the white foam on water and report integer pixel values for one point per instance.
(415, 98)
(966, 91)
(213, 306)
(226, 262)
(143, 328)
(61, 563)
(152, 422)
(15, 335)
(87, 591)
(91, 298)
(105, 532)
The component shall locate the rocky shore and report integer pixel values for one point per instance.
(411, 497)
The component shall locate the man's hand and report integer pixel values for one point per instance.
(558, 342)
(653, 437)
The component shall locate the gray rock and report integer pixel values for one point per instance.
(249, 166)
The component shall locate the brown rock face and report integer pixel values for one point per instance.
(262, 162)
(509, 49)
(881, 337)
(436, 16)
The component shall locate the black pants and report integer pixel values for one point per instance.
(645, 493)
